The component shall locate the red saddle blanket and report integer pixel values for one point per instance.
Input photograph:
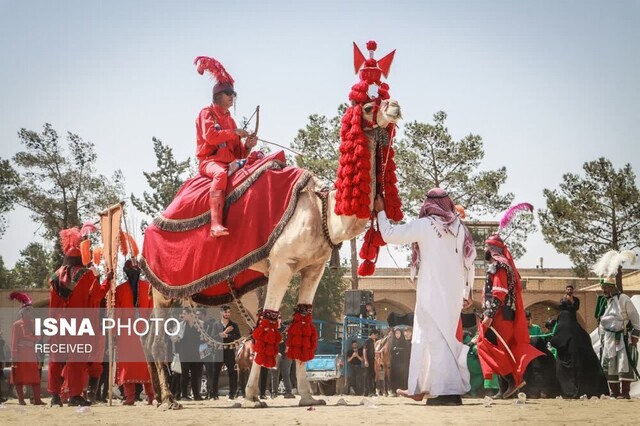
(179, 257)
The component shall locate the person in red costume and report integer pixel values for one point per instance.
(133, 297)
(72, 286)
(504, 312)
(24, 362)
(219, 144)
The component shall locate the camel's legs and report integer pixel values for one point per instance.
(308, 285)
(156, 351)
(279, 279)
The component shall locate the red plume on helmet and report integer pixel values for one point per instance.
(70, 241)
(20, 297)
(215, 68)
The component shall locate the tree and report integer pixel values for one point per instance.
(60, 186)
(591, 215)
(164, 182)
(34, 267)
(428, 157)
(329, 300)
(319, 141)
(516, 234)
(9, 180)
(6, 278)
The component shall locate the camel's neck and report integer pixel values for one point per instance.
(343, 228)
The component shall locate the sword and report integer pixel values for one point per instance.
(513, 358)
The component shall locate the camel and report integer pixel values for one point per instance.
(301, 248)
(244, 360)
(383, 362)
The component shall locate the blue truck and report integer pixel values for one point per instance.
(334, 339)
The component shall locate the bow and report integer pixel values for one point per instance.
(257, 115)
(255, 131)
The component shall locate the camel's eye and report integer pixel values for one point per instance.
(368, 109)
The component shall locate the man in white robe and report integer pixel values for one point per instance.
(445, 249)
(619, 330)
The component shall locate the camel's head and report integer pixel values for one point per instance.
(387, 112)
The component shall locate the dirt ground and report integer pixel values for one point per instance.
(357, 411)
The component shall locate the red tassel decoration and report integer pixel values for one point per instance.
(353, 181)
(302, 340)
(376, 239)
(266, 337)
(389, 181)
(368, 252)
(366, 268)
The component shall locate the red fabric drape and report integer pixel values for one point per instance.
(180, 258)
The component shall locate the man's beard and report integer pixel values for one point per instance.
(488, 256)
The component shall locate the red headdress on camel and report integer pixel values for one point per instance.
(224, 81)
(70, 241)
(353, 183)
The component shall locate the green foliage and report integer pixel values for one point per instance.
(319, 142)
(428, 157)
(59, 184)
(6, 278)
(9, 180)
(329, 300)
(516, 233)
(34, 267)
(164, 182)
(592, 214)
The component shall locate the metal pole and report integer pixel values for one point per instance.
(109, 304)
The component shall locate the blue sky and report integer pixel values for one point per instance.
(547, 84)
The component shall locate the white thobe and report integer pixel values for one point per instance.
(619, 312)
(438, 364)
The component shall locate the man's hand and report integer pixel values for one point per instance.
(378, 203)
(251, 141)
(109, 276)
(634, 340)
(241, 132)
(366, 363)
(229, 329)
(487, 321)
